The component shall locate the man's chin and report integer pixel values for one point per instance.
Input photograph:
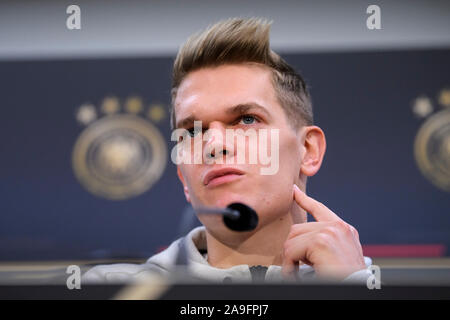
(216, 227)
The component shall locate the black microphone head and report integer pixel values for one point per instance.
(247, 220)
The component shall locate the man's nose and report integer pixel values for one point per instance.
(216, 145)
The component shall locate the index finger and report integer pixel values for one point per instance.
(318, 210)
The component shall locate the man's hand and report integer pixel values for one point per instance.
(330, 245)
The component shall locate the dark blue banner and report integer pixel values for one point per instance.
(85, 169)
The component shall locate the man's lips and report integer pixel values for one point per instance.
(216, 177)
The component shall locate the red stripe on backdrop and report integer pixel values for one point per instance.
(407, 250)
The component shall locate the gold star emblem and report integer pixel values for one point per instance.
(444, 98)
(422, 106)
(156, 112)
(110, 105)
(86, 114)
(133, 105)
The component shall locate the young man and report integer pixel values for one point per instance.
(228, 78)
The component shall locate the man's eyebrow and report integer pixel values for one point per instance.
(246, 107)
(241, 108)
(186, 122)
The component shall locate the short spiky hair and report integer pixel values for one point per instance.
(235, 41)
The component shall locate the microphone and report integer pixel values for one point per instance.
(236, 216)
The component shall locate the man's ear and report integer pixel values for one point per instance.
(185, 188)
(314, 146)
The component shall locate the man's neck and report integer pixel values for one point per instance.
(264, 247)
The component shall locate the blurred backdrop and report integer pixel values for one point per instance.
(85, 169)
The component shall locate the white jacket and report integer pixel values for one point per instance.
(199, 268)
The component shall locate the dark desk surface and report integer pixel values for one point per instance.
(405, 279)
(232, 292)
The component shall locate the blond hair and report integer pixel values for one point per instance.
(235, 41)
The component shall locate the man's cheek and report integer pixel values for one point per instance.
(269, 151)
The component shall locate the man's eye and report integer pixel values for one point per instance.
(248, 119)
(192, 132)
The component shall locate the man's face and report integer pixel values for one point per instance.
(216, 97)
